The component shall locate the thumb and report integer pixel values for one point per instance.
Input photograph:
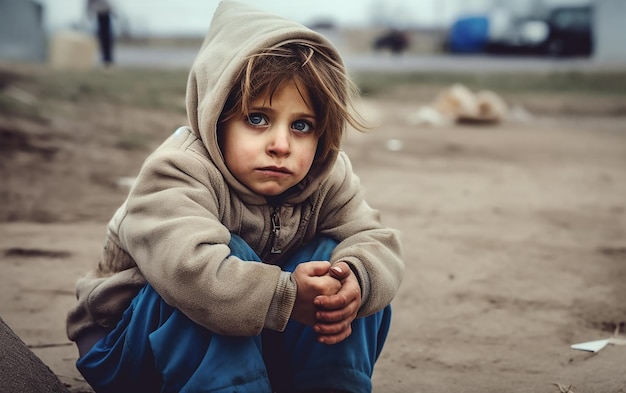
(340, 271)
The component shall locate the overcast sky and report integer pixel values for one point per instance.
(193, 16)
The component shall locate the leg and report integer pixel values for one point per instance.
(156, 348)
(297, 362)
(347, 365)
(105, 37)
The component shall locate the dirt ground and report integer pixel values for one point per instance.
(514, 235)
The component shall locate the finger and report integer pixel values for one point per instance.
(332, 302)
(335, 338)
(317, 268)
(327, 285)
(329, 329)
(341, 299)
(324, 316)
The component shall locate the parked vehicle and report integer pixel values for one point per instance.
(567, 31)
(570, 32)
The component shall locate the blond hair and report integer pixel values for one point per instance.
(314, 66)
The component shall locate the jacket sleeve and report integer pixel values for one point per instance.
(372, 250)
(173, 232)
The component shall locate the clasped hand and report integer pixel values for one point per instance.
(328, 299)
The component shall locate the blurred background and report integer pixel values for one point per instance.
(499, 153)
(539, 28)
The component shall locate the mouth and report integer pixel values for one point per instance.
(275, 170)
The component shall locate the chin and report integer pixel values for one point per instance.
(271, 192)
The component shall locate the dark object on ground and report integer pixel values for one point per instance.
(394, 40)
(21, 370)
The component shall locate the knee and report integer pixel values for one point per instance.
(241, 249)
(318, 249)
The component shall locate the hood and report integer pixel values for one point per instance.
(237, 31)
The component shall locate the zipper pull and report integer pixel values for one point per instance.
(275, 230)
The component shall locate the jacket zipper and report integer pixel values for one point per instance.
(275, 218)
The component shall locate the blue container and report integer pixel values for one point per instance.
(469, 35)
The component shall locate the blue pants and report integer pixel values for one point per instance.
(156, 348)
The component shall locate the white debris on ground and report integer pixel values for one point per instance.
(458, 104)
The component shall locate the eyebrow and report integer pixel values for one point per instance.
(306, 115)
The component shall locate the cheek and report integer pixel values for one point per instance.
(308, 155)
(233, 150)
(239, 156)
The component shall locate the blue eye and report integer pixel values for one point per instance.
(256, 119)
(301, 126)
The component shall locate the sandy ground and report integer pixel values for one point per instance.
(515, 244)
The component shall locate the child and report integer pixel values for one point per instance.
(180, 301)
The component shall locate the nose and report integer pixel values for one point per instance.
(279, 141)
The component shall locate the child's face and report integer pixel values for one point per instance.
(272, 148)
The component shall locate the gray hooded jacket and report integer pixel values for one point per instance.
(174, 228)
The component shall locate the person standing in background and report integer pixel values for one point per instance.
(102, 10)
